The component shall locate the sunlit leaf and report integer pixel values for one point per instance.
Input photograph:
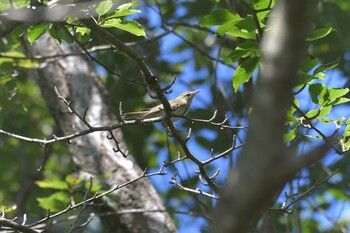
(340, 100)
(290, 135)
(55, 202)
(327, 66)
(340, 120)
(131, 26)
(60, 33)
(219, 17)
(52, 184)
(34, 32)
(83, 30)
(124, 10)
(110, 23)
(8, 208)
(319, 113)
(73, 180)
(244, 72)
(320, 33)
(317, 91)
(335, 93)
(26, 63)
(104, 7)
(263, 4)
(242, 50)
(244, 28)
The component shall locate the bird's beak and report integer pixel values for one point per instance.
(195, 92)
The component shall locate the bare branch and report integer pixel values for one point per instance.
(224, 154)
(112, 137)
(72, 110)
(196, 191)
(8, 225)
(210, 121)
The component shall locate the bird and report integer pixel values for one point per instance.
(180, 106)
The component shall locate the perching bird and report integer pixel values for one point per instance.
(180, 106)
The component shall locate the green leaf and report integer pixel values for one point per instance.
(110, 23)
(347, 128)
(303, 79)
(319, 76)
(123, 10)
(313, 113)
(60, 33)
(34, 32)
(244, 72)
(26, 63)
(320, 33)
(347, 133)
(83, 30)
(335, 93)
(95, 187)
(327, 66)
(327, 120)
(104, 7)
(55, 202)
(319, 113)
(125, 6)
(262, 16)
(219, 17)
(52, 184)
(340, 120)
(243, 50)
(73, 180)
(54, 33)
(263, 4)
(321, 94)
(290, 135)
(132, 27)
(315, 90)
(244, 28)
(345, 144)
(340, 100)
(309, 63)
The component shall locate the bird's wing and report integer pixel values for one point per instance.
(144, 114)
(153, 112)
(134, 115)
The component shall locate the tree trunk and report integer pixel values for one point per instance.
(265, 164)
(76, 80)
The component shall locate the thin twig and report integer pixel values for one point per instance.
(285, 207)
(196, 191)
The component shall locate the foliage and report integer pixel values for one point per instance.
(206, 44)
